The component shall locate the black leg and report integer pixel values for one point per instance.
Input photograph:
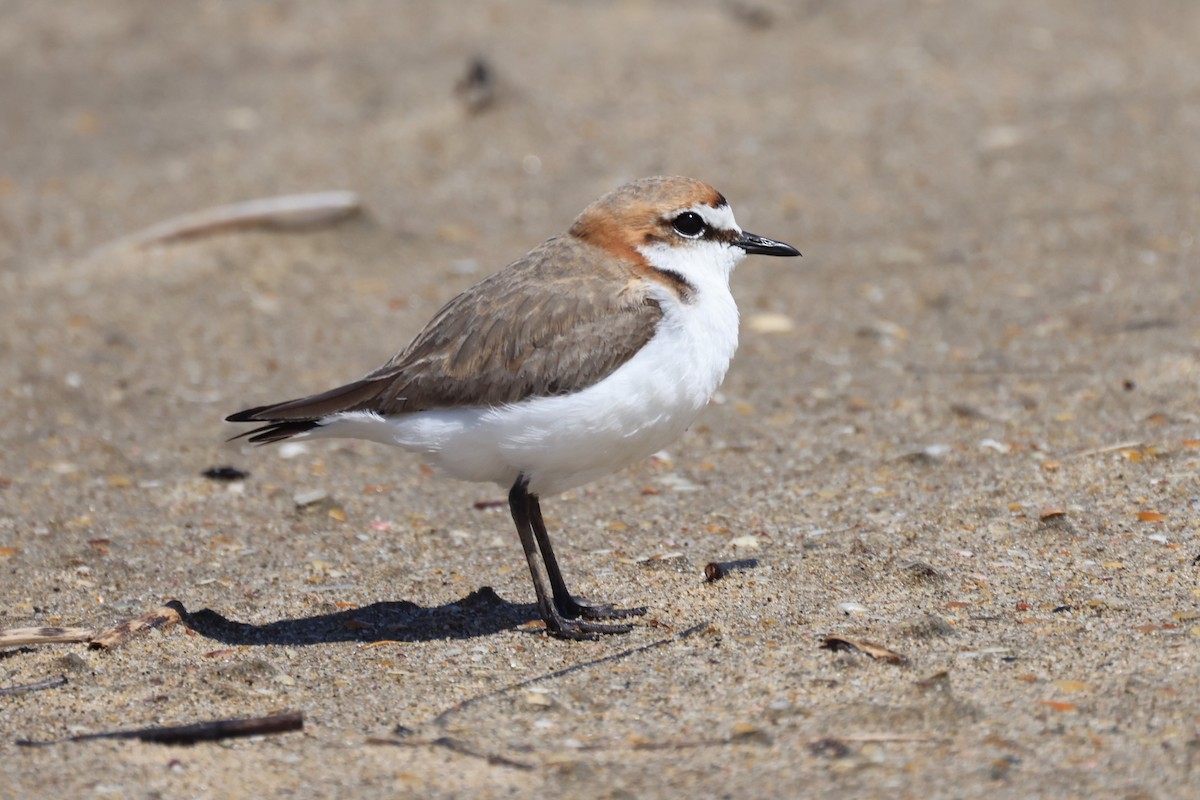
(522, 505)
(567, 605)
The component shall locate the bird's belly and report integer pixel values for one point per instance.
(562, 442)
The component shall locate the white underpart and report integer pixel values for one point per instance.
(559, 443)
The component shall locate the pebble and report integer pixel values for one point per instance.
(769, 323)
(73, 662)
(310, 496)
(675, 481)
(292, 449)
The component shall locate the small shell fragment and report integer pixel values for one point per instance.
(307, 498)
(769, 323)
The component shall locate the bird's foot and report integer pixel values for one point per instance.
(565, 628)
(579, 608)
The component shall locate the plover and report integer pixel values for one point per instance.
(593, 351)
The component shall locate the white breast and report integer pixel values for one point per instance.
(559, 443)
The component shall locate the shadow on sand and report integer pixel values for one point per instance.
(478, 614)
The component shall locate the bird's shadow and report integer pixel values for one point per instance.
(480, 613)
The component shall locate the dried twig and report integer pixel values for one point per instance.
(286, 211)
(696, 744)
(198, 732)
(169, 614)
(453, 745)
(1111, 448)
(1047, 372)
(673, 744)
(14, 637)
(49, 683)
(883, 738)
(164, 617)
(440, 719)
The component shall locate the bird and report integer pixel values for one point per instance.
(592, 352)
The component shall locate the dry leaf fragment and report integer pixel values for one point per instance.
(1151, 516)
(1070, 687)
(1058, 705)
(483, 505)
(875, 651)
(749, 733)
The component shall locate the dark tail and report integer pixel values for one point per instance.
(274, 432)
(285, 420)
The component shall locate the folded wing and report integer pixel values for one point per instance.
(531, 330)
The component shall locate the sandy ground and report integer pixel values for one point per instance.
(964, 426)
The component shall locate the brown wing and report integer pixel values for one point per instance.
(533, 329)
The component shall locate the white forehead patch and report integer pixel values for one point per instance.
(719, 218)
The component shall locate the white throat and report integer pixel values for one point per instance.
(699, 261)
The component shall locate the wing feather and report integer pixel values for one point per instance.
(533, 329)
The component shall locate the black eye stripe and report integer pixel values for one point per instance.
(689, 224)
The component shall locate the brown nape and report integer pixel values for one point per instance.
(601, 230)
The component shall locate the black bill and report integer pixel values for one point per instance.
(760, 245)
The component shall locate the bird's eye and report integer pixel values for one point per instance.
(688, 224)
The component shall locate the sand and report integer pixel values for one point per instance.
(964, 427)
